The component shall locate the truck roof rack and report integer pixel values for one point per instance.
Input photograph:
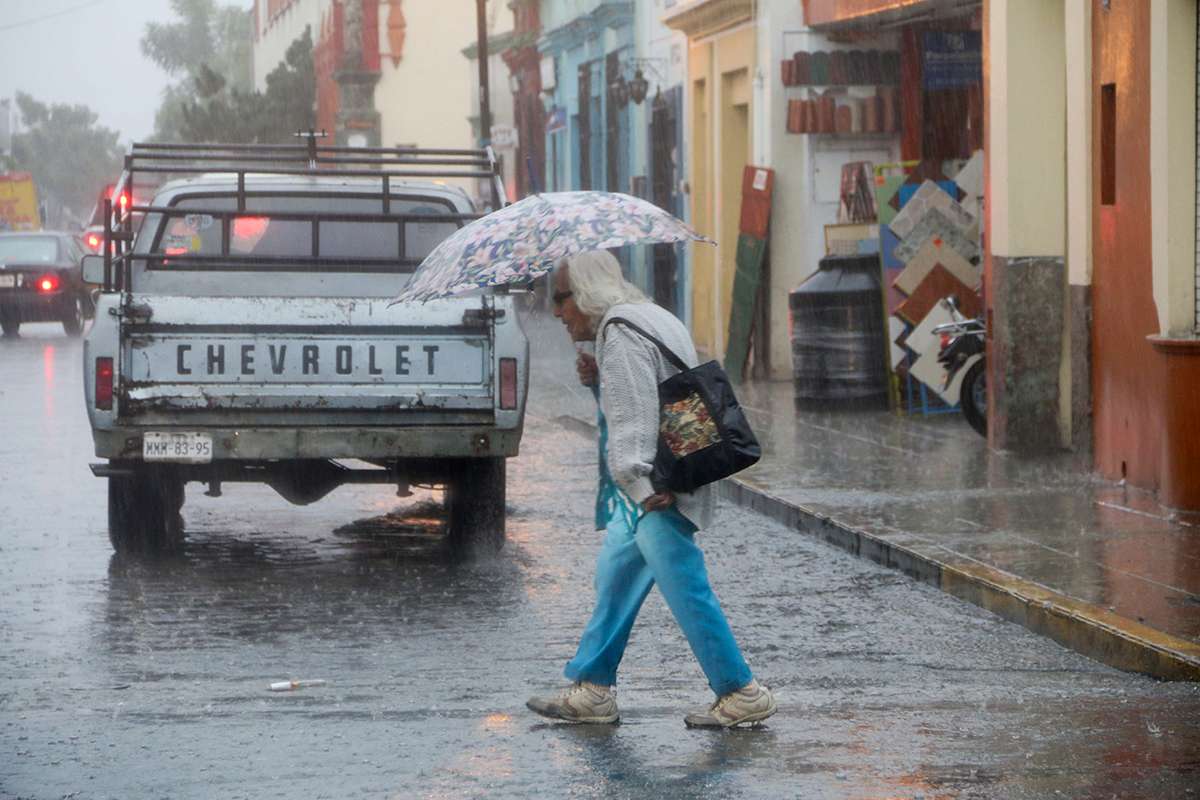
(384, 164)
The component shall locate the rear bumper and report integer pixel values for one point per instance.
(262, 444)
(28, 306)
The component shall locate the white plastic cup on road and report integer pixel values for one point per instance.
(288, 686)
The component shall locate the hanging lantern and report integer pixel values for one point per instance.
(638, 87)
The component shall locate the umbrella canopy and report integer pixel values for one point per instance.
(522, 241)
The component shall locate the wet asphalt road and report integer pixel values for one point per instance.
(149, 679)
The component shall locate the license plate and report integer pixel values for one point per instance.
(185, 448)
(8, 281)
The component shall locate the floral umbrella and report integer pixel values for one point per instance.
(522, 241)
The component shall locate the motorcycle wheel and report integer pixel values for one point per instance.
(973, 397)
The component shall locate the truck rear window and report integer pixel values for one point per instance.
(199, 226)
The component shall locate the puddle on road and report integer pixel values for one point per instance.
(412, 530)
(416, 531)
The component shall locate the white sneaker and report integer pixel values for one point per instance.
(580, 702)
(751, 703)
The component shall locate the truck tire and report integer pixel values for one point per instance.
(143, 513)
(10, 325)
(973, 397)
(475, 498)
(73, 316)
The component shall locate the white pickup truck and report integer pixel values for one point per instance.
(245, 333)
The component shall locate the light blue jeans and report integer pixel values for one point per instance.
(660, 550)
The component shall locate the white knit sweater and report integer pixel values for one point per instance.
(631, 367)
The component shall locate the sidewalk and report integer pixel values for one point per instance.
(1098, 567)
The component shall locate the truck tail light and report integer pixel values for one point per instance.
(508, 384)
(47, 283)
(94, 241)
(104, 383)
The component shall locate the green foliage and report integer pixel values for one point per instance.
(205, 34)
(70, 156)
(215, 101)
(220, 115)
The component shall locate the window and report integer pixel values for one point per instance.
(1108, 144)
(29, 249)
(257, 233)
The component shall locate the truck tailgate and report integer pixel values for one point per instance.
(302, 354)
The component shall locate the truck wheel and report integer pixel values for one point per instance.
(973, 397)
(475, 502)
(73, 316)
(143, 514)
(10, 325)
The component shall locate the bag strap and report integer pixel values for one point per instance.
(675, 360)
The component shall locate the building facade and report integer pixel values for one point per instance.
(610, 75)
(720, 120)
(1090, 247)
(503, 136)
(524, 66)
(401, 43)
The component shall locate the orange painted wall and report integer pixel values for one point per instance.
(823, 12)
(1127, 375)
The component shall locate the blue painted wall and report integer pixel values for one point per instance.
(583, 33)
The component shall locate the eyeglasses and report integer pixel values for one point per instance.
(560, 297)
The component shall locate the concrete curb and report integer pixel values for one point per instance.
(1084, 627)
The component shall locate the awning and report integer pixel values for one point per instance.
(844, 14)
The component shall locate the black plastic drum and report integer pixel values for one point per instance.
(838, 352)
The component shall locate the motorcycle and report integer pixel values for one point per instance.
(962, 348)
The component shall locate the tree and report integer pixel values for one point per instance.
(292, 87)
(68, 153)
(214, 101)
(224, 115)
(218, 36)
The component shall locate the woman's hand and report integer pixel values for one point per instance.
(659, 502)
(589, 373)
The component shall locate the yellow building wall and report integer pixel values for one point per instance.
(426, 99)
(703, 256)
(721, 134)
(1173, 162)
(1027, 128)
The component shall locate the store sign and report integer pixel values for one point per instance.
(556, 120)
(504, 137)
(952, 60)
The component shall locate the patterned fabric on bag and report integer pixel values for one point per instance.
(687, 427)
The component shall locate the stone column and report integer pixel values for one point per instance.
(358, 123)
(1025, 264)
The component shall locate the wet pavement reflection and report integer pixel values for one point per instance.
(148, 678)
(931, 485)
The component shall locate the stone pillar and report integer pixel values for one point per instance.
(358, 123)
(1025, 265)
(1075, 408)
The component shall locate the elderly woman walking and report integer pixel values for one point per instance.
(650, 534)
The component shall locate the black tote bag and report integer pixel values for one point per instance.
(703, 435)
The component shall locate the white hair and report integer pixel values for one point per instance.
(597, 284)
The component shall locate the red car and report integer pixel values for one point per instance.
(40, 281)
